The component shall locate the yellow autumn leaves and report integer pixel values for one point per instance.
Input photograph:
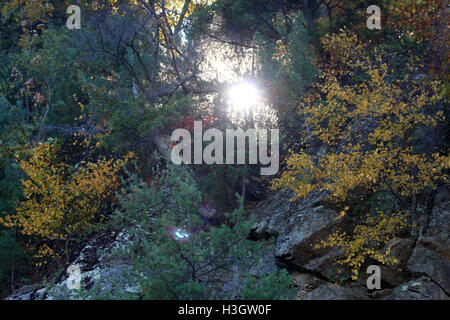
(397, 170)
(365, 241)
(367, 126)
(370, 124)
(59, 206)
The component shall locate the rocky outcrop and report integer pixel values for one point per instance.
(431, 255)
(423, 271)
(96, 266)
(310, 287)
(419, 289)
(305, 283)
(33, 292)
(393, 276)
(436, 232)
(298, 227)
(234, 281)
(332, 291)
(430, 263)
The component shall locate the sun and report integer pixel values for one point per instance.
(243, 96)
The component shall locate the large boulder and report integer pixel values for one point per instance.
(427, 261)
(97, 269)
(431, 256)
(437, 232)
(305, 283)
(30, 292)
(419, 289)
(298, 226)
(332, 291)
(394, 275)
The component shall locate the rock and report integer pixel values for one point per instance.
(303, 230)
(267, 264)
(162, 143)
(133, 289)
(233, 282)
(326, 266)
(419, 289)
(333, 291)
(433, 264)
(98, 269)
(305, 283)
(40, 294)
(401, 248)
(431, 256)
(30, 292)
(25, 296)
(379, 294)
(298, 226)
(437, 233)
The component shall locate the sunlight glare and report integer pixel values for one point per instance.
(243, 96)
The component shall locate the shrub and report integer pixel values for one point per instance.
(370, 131)
(176, 254)
(59, 205)
(272, 286)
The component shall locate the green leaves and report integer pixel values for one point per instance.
(272, 286)
(180, 255)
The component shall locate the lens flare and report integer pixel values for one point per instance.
(243, 96)
(178, 234)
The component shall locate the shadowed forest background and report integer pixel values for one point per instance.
(86, 117)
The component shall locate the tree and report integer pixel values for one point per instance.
(424, 22)
(370, 124)
(179, 254)
(289, 68)
(59, 205)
